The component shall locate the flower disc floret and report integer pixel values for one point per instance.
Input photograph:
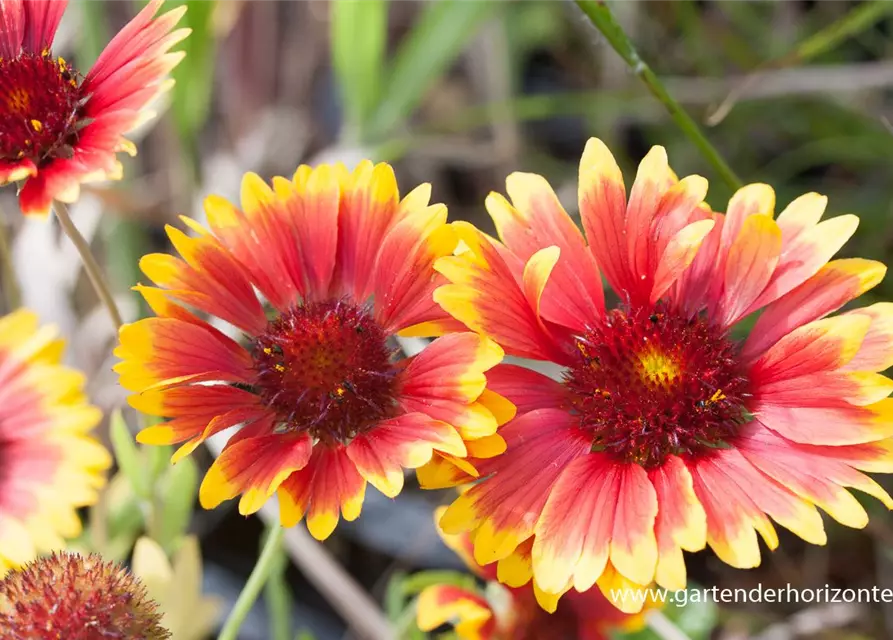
(325, 368)
(40, 103)
(651, 383)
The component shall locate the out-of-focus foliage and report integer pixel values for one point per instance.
(177, 587)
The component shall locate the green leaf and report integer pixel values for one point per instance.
(159, 460)
(359, 36)
(128, 456)
(395, 596)
(441, 33)
(93, 33)
(304, 634)
(418, 581)
(175, 503)
(696, 619)
(195, 73)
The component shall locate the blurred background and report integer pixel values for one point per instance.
(459, 93)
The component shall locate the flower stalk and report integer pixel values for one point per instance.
(256, 581)
(600, 15)
(94, 271)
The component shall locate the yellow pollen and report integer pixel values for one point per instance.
(280, 368)
(268, 350)
(658, 367)
(339, 391)
(18, 101)
(36, 125)
(716, 397)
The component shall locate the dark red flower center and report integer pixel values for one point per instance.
(326, 368)
(40, 103)
(649, 383)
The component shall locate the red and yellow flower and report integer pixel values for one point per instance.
(499, 613)
(325, 406)
(59, 129)
(667, 433)
(50, 465)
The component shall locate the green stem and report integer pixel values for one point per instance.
(854, 22)
(601, 17)
(94, 271)
(278, 598)
(8, 277)
(256, 581)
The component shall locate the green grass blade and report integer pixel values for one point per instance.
(443, 30)
(191, 96)
(359, 36)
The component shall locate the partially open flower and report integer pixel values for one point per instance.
(498, 612)
(59, 128)
(77, 598)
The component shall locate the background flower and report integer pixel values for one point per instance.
(176, 587)
(499, 613)
(50, 464)
(77, 597)
(58, 128)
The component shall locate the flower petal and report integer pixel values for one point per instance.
(834, 285)
(731, 516)
(405, 442)
(538, 220)
(41, 21)
(369, 206)
(633, 543)
(842, 425)
(192, 409)
(209, 280)
(166, 350)
(819, 346)
(876, 351)
(602, 199)
(679, 253)
(817, 477)
(802, 257)
(312, 210)
(441, 604)
(749, 265)
(12, 27)
(254, 467)
(503, 509)
(827, 388)
(404, 278)
(485, 296)
(596, 510)
(327, 485)
(452, 368)
(525, 388)
(681, 522)
(262, 239)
